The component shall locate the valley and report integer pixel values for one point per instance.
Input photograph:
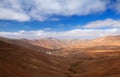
(91, 58)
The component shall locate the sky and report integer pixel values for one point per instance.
(62, 19)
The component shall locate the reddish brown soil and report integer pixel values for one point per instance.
(21, 62)
(93, 60)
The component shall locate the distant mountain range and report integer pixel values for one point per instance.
(51, 43)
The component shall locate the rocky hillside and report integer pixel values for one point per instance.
(96, 58)
(16, 61)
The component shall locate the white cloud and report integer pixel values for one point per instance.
(9, 14)
(12, 10)
(117, 6)
(24, 10)
(71, 34)
(107, 23)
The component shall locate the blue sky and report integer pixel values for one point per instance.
(59, 18)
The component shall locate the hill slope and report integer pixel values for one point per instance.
(25, 43)
(16, 61)
(89, 61)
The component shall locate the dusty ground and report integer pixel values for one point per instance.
(93, 61)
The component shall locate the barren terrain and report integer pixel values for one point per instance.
(92, 58)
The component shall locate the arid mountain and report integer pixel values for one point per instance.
(96, 59)
(48, 43)
(16, 61)
(97, 65)
(108, 40)
(25, 43)
(52, 43)
(76, 43)
(56, 44)
(103, 44)
(103, 41)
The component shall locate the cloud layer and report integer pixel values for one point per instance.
(107, 23)
(25, 10)
(93, 29)
(71, 34)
